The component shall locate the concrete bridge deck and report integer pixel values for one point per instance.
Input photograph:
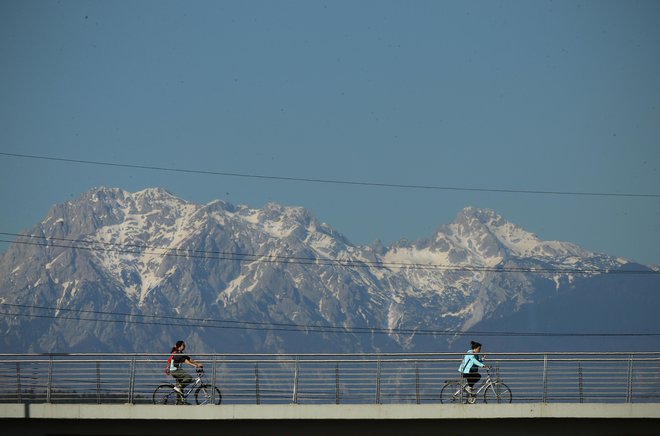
(331, 420)
(330, 412)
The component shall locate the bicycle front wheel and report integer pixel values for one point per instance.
(498, 392)
(451, 393)
(165, 394)
(208, 394)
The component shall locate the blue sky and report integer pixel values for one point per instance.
(518, 95)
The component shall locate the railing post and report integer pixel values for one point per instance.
(378, 381)
(49, 386)
(580, 385)
(419, 401)
(214, 376)
(337, 383)
(131, 381)
(545, 378)
(256, 383)
(98, 382)
(19, 390)
(295, 382)
(630, 380)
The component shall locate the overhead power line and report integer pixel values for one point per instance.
(100, 246)
(268, 326)
(329, 181)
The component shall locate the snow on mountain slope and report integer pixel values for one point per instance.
(135, 247)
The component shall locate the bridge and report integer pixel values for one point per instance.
(331, 394)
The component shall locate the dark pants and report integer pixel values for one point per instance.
(183, 379)
(472, 378)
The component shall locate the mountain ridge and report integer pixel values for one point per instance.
(157, 257)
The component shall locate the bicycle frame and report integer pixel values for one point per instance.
(484, 385)
(192, 385)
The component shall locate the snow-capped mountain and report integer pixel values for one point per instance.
(121, 271)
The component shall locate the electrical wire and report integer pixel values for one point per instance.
(306, 328)
(330, 181)
(218, 255)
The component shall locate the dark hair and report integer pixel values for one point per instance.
(474, 345)
(176, 346)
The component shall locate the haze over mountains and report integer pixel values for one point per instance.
(115, 271)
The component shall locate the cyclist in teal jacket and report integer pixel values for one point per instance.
(469, 368)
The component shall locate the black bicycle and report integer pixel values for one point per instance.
(204, 393)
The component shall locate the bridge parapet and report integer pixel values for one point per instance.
(357, 379)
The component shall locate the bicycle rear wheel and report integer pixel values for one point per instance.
(208, 394)
(498, 392)
(165, 394)
(452, 393)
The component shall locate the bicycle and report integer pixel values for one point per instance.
(204, 393)
(495, 391)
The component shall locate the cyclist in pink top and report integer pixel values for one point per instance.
(183, 379)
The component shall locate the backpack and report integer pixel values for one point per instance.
(169, 365)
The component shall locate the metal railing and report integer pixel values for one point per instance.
(330, 379)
